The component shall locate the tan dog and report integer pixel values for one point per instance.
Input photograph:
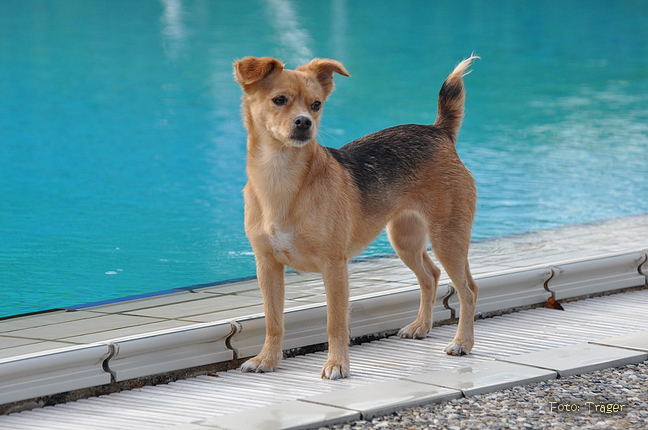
(313, 208)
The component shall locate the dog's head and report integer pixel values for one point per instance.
(285, 103)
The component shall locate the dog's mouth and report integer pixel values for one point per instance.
(300, 137)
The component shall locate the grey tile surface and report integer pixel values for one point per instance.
(30, 348)
(229, 314)
(385, 397)
(127, 331)
(578, 358)
(204, 303)
(12, 342)
(233, 288)
(42, 320)
(484, 377)
(638, 341)
(150, 302)
(283, 416)
(99, 323)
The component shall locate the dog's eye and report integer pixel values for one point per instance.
(316, 106)
(280, 101)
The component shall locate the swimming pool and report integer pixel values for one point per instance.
(122, 153)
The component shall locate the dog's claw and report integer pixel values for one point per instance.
(335, 371)
(456, 348)
(258, 365)
(414, 331)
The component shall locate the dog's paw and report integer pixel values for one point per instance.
(414, 331)
(456, 348)
(335, 370)
(259, 365)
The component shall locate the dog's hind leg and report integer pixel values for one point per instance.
(450, 241)
(408, 235)
(271, 280)
(336, 282)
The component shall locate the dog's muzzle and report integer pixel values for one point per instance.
(302, 126)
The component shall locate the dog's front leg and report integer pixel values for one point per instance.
(271, 280)
(336, 282)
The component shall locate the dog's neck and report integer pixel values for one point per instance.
(277, 172)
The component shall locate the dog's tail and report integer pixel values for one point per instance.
(451, 100)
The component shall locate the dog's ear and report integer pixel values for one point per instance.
(251, 70)
(323, 70)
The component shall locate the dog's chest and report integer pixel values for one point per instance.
(290, 250)
(283, 243)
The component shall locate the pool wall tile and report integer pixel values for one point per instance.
(597, 275)
(52, 372)
(170, 350)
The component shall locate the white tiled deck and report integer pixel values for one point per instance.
(557, 259)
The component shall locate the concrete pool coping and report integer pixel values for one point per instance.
(67, 350)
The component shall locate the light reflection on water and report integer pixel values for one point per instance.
(122, 152)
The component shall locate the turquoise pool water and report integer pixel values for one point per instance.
(122, 150)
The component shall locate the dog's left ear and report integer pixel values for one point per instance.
(323, 70)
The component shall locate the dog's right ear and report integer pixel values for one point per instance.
(251, 70)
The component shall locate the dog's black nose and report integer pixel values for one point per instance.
(302, 122)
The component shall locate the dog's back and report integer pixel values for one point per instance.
(387, 163)
(382, 163)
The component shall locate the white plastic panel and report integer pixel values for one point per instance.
(505, 290)
(248, 337)
(303, 326)
(644, 267)
(381, 312)
(307, 325)
(597, 275)
(169, 350)
(52, 372)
